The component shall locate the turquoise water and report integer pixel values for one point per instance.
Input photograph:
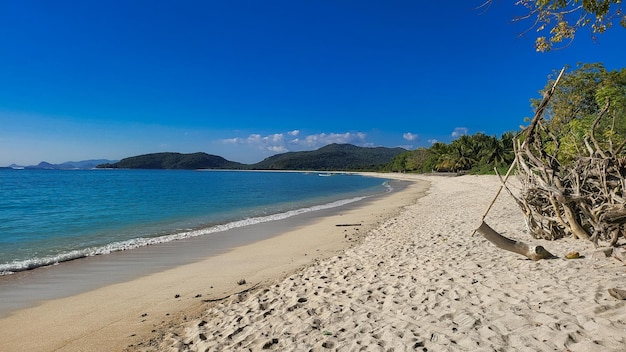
(51, 216)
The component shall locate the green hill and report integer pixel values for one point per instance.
(331, 157)
(339, 157)
(174, 161)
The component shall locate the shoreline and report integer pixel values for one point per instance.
(413, 278)
(422, 282)
(73, 276)
(183, 231)
(142, 303)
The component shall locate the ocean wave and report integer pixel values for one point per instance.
(33, 263)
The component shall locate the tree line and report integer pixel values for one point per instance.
(581, 95)
(478, 153)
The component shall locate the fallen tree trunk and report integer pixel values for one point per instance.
(531, 252)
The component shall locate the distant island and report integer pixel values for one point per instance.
(173, 161)
(332, 157)
(68, 165)
(339, 157)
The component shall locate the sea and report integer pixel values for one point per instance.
(49, 217)
(64, 232)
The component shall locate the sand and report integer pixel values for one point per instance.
(421, 282)
(410, 278)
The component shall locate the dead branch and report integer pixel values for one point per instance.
(530, 252)
(210, 300)
(584, 199)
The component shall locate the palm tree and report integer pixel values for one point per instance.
(497, 154)
(465, 152)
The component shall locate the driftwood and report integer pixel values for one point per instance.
(531, 252)
(584, 199)
(210, 300)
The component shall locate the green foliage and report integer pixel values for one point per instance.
(575, 95)
(419, 160)
(174, 161)
(562, 19)
(577, 101)
(342, 157)
(478, 153)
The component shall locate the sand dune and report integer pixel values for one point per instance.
(420, 281)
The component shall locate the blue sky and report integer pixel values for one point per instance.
(249, 79)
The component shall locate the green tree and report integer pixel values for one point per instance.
(613, 91)
(558, 21)
(463, 153)
(479, 153)
(498, 152)
(578, 99)
(399, 163)
(439, 160)
(419, 159)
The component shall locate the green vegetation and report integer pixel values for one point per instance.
(557, 21)
(578, 99)
(477, 154)
(580, 96)
(338, 157)
(174, 161)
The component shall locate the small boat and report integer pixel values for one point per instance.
(325, 174)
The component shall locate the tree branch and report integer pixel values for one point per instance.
(531, 252)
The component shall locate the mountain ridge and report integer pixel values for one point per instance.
(172, 160)
(340, 157)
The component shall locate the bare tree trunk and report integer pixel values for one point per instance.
(530, 252)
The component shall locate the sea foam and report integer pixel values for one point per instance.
(33, 263)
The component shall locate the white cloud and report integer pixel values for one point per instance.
(433, 141)
(292, 141)
(277, 149)
(275, 138)
(322, 139)
(254, 138)
(459, 131)
(231, 140)
(410, 136)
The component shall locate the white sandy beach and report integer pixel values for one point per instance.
(421, 282)
(411, 277)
